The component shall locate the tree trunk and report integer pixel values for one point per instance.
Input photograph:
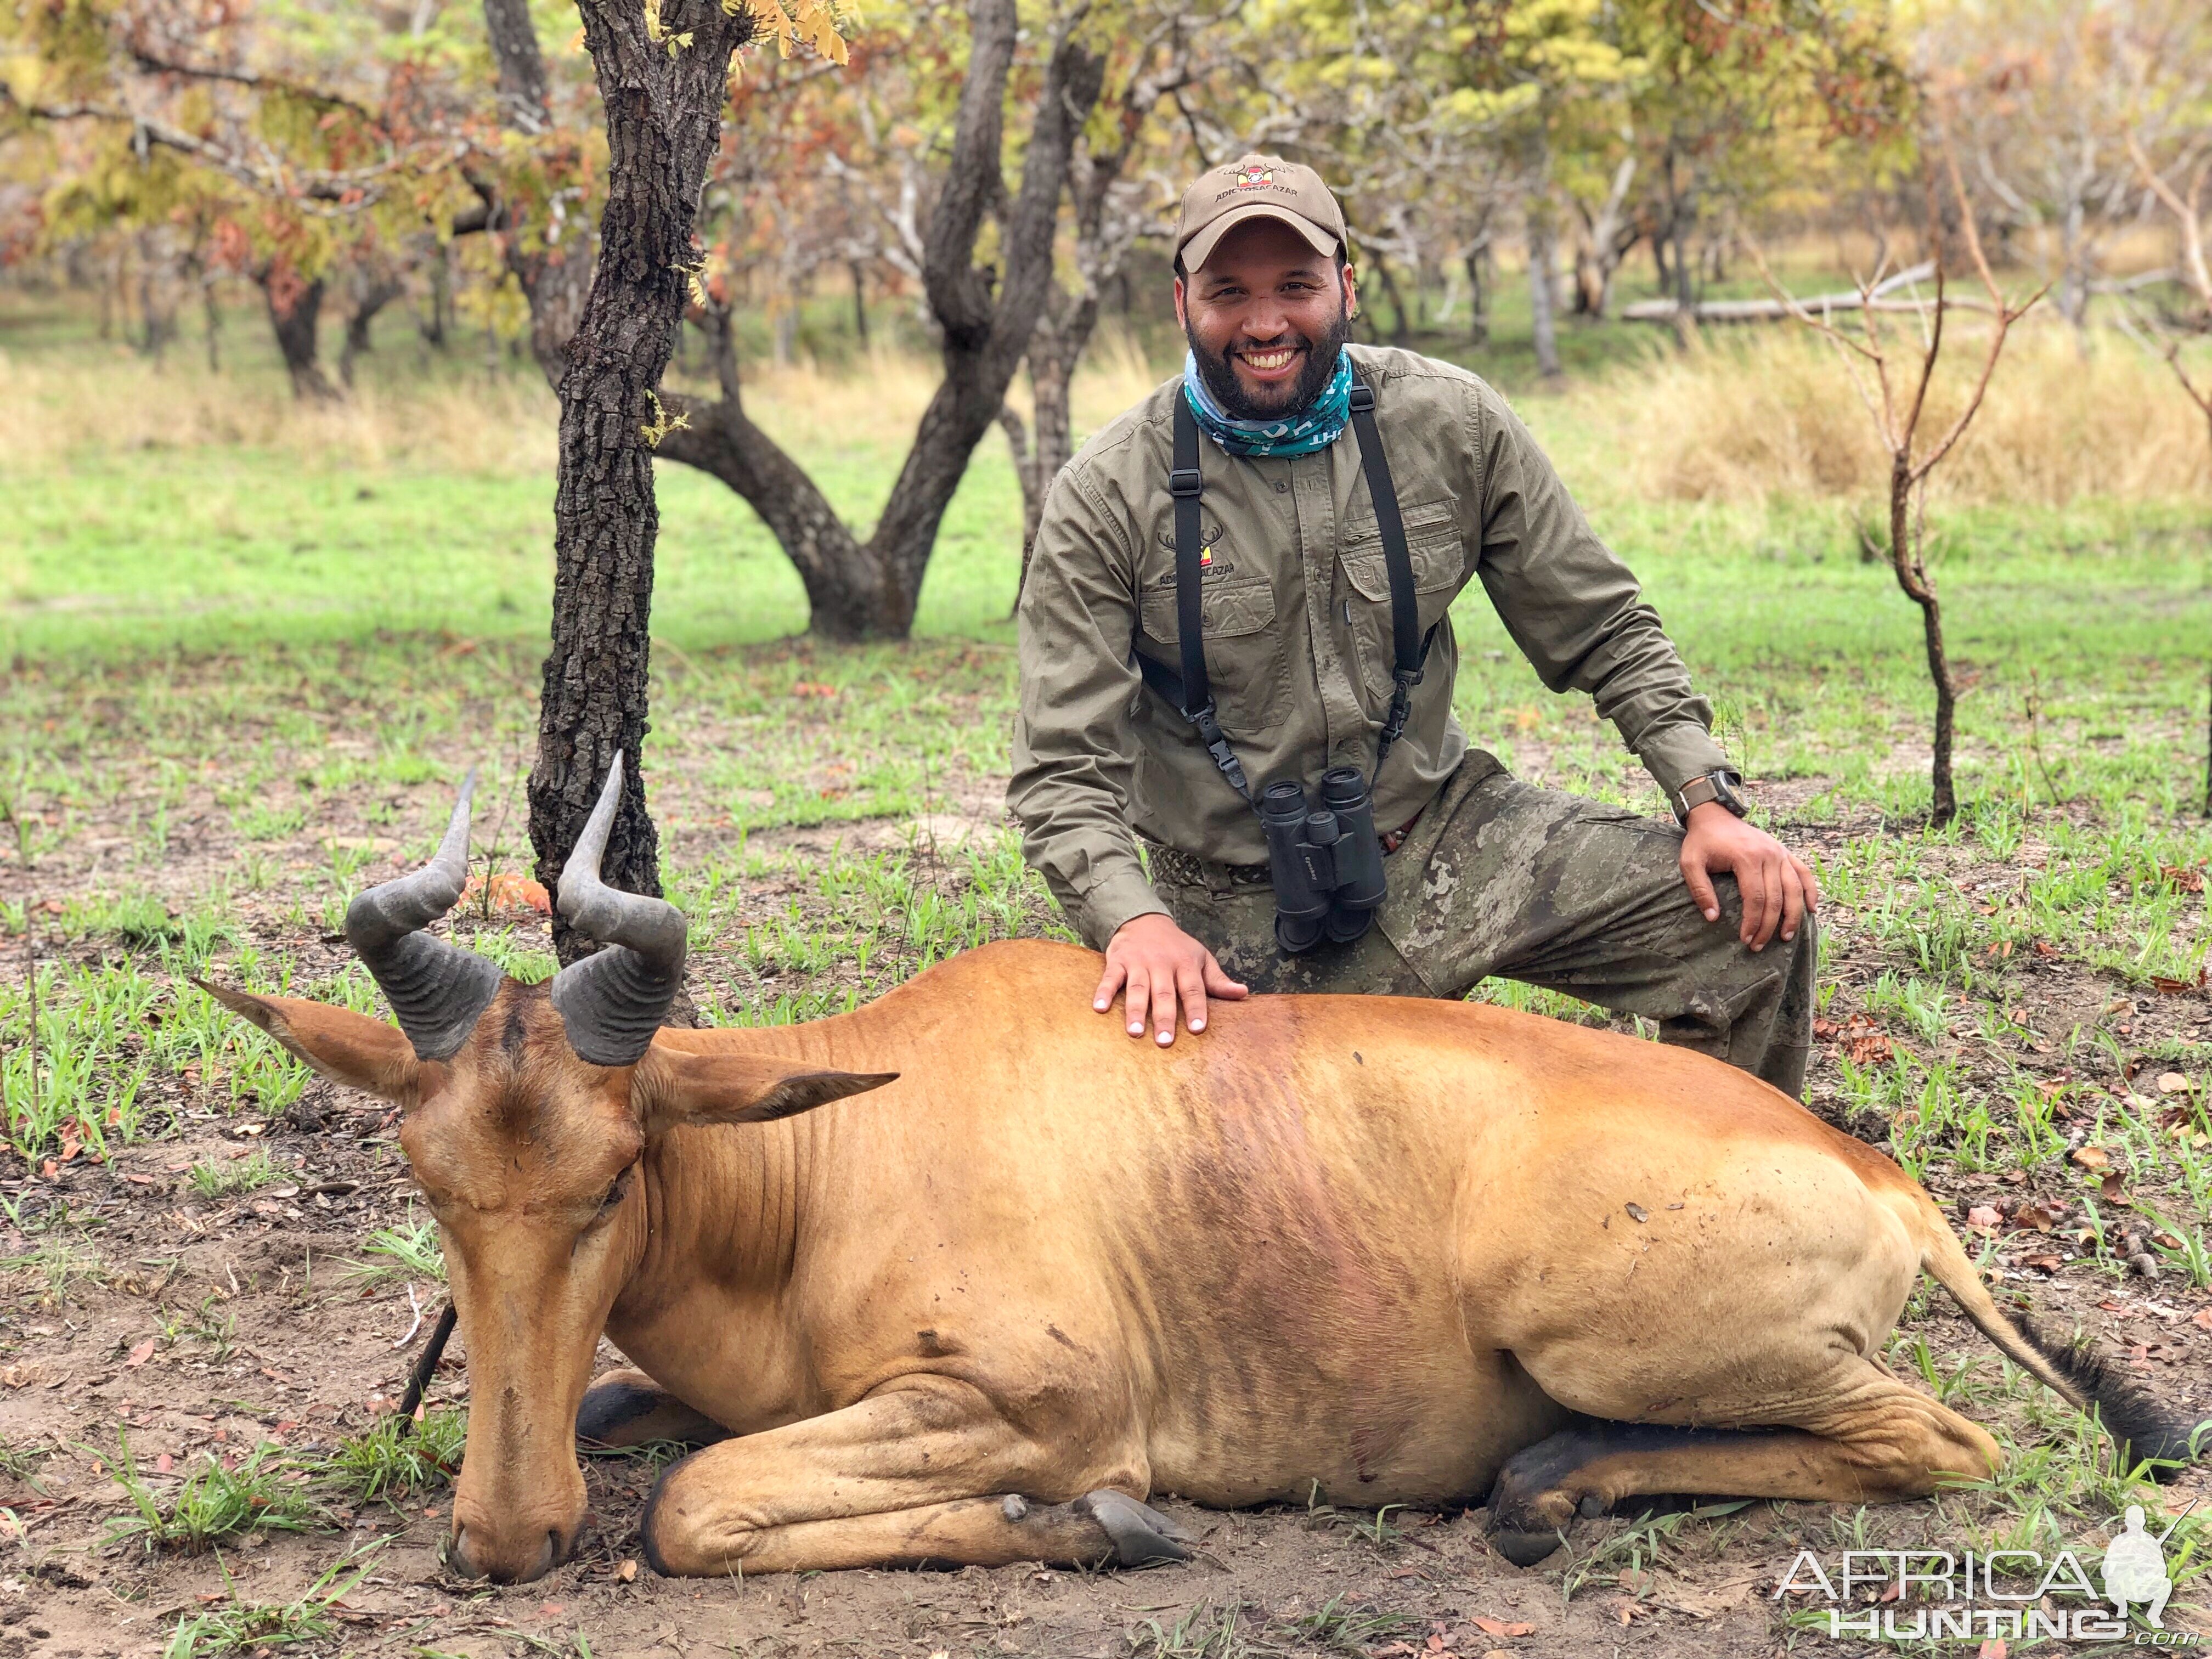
(371, 295)
(1478, 291)
(859, 302)
(1539, 290)
(1912, 576)
(213, 314)
(1054, 351)
(663, 126)
(1402, 328)
(868, 590)
(555, 276)
(295, 310)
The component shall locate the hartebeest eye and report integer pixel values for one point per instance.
(616, 1190)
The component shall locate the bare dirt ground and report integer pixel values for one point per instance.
(198, 1325)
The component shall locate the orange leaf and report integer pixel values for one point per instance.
(1501, 1627)
(141, 1353)
(2089, 1158)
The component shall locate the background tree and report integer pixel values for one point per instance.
(1894, 381)
(985, 314)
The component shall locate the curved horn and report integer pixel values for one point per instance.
(436, 989)
(612, 1002)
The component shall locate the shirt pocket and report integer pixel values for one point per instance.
(1436, 549)
(1244, 661)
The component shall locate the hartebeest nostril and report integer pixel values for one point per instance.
(468, 1559)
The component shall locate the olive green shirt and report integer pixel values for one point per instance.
(1296, 620)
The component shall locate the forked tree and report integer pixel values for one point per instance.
(986, 313)
(1892, 375)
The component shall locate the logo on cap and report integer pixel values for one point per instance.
(1250, 175)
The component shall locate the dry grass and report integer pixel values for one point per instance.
(1774, 414)
(51, 410)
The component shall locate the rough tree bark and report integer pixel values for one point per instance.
(664, 125)
(867, 589)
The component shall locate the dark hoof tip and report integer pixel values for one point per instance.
(1524, 1549)
(1141, 1534)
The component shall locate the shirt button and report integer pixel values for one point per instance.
(1281, 488)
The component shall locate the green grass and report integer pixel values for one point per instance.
(238, 1625)
(292, 662)
(231, 1177)
(395, 1458)
(397, 1255)
(261, 1491)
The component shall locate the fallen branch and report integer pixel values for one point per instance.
(1778, 310)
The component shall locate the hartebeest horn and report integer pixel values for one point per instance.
(436, 989)
(612, 1002)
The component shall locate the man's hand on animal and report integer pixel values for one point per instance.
(1778, 888)
(1159, 970)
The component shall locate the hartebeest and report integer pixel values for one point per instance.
(1394, 1251)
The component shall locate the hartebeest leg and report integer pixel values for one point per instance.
(1875, 1440)
(929, 1472)
(626, 1407)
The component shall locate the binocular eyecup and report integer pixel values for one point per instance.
(1324, 860)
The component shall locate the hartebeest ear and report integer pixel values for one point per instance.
(345, 1047)
(691, 1088)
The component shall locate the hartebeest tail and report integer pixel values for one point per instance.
(2141, 1426)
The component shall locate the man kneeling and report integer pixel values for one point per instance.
(1237, 647)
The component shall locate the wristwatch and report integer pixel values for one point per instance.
(1720, 785)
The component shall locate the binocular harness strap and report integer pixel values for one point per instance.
(1193, 695)
(1196, 703)
(1407, 648)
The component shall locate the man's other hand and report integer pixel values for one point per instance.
(1155, 964)
(1775, 885)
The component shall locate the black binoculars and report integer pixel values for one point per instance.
(1325, 861)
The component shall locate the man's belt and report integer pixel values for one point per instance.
(1188, 870)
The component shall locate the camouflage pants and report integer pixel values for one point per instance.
(1498, 877)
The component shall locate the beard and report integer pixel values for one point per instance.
(1220, 375)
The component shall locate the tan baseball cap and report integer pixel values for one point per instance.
(1256, 187)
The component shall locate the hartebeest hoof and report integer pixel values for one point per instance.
(1140, 1533)
(1529, 1503)
(627, 1407)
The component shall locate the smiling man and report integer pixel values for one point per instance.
(1315, 817)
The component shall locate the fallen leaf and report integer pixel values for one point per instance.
(2045, 948)
(2169, 1083)
(626, 1572)
(141, 1353)
(1995, 1647)
(2113, 1187)
(2166, 1240)
(2188, 877)
(2202, 1319)
(164, 1463)
(1985, 1219)
(1637, 1212)
(1504, 1627)
(2050, 1264)
(2089, 1158)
